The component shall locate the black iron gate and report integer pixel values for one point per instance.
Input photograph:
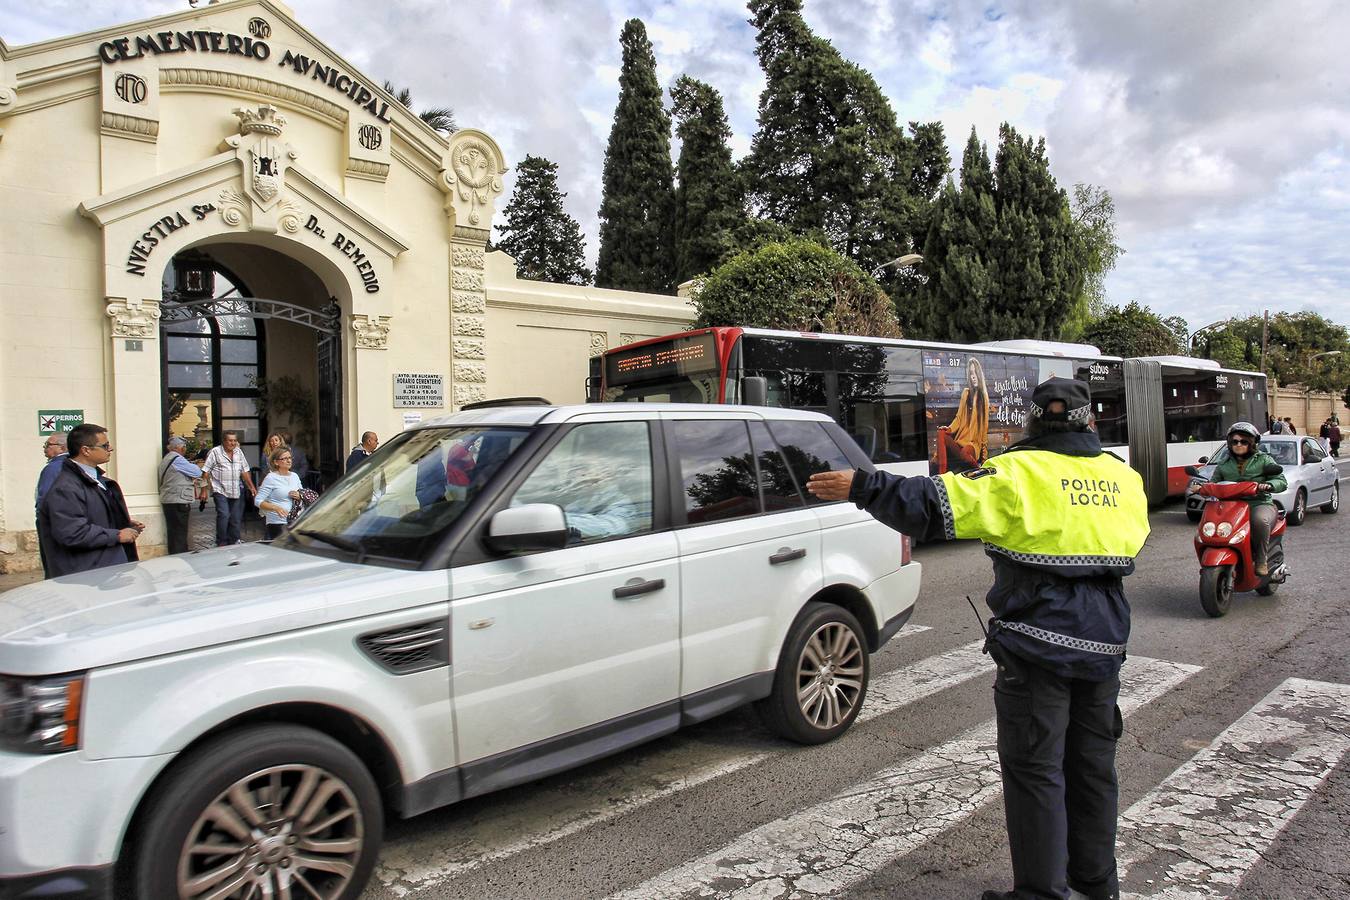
(330, 405)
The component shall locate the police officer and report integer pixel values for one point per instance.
(1062, 521)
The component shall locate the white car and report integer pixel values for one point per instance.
(1312, 475)
(493, 597)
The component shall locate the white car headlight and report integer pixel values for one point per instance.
(40, 715)
(1225, 529)
(1207, 529)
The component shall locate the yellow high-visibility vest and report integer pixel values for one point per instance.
(1045, 508)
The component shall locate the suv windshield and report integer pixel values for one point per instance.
(1281, 451)
(397, 504)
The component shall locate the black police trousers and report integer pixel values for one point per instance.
(1057, 750)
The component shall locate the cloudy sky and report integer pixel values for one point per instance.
(1221, 127)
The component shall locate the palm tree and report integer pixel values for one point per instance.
(441, 118)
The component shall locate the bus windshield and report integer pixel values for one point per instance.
(682, 369)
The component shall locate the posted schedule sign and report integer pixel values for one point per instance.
(415, 389)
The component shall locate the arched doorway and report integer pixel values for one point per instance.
(236, 361)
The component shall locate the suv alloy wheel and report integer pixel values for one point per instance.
(822, 676)
(266, 811)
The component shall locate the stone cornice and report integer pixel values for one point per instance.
(233, 83)
(129, 127)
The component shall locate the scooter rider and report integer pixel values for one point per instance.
(1245, 462)
(1062, 521)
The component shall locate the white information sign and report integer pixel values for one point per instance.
(414, 389)
(411, 420)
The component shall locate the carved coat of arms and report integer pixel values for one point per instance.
(268, 159)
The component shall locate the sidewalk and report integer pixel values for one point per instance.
(201, 536)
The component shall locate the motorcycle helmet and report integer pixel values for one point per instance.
(1244, 428)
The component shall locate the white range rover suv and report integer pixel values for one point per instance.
(493, 597)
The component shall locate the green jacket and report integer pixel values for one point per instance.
(1250, 470)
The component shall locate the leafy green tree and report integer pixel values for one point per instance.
(638, 194)
(1133, 330)
(827, 152)
(1095, 231)
(797, 285)
(1293, 346)
(708, 206)
(441, 118)
(537, 231)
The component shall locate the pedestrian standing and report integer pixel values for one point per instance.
(54, 451)
(83, 517)
(278, 493)
(1289, 426)
(227, 468)
(299, 461)
(361, 452)
(1334, 437)
(1324, 435)
(177, 491)
(1062, 521)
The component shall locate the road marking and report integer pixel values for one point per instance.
(827, 849)
(1196, 834)
(503, 830)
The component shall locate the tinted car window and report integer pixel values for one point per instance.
(809, 449)
(717, 470)
(601, 476)
(779, 488)
(1312, 451)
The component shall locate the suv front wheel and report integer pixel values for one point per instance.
(822, 676)
(267, 811)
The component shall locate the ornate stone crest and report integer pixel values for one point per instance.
(265, 158)
(372, 332)
(472, 172)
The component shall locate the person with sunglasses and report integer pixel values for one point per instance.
(1246, 462)
(83, 518)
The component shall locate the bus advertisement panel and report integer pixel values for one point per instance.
(977, 403)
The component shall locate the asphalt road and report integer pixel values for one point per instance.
(1234, 775)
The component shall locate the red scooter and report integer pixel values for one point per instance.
(1223, 543)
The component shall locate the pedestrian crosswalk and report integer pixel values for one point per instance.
(1194, 836)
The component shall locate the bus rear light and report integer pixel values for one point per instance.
(904, 550)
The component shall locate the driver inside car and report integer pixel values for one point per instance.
(1246, 462)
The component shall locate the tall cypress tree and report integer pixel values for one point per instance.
(545, 241)
(828, 153)
(707, 198)
(1001, 254)
(638, 196)
(955, 301)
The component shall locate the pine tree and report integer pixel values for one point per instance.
(545, 241)
(638, 194)
(707, 199)
(827, 153)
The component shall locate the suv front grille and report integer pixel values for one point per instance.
(409, 648)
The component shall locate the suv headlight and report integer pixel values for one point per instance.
(40, 715)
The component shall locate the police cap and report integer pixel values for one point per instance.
(1071, 392)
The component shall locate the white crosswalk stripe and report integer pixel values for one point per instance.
(549, 815)
(824, 850)
(1200, 831)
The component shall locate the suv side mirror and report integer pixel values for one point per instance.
(534, 526)
(755, 390)
(1192, 471)
(1271, 470)
(1203, 460)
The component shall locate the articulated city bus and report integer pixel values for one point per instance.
(918, 407)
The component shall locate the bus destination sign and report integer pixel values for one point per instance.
(679, 356)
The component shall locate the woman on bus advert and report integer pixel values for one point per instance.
(964, 444)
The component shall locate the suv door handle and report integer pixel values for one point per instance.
(636, 587)
(786, 554)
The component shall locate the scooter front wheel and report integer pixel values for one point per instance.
(1216, 589)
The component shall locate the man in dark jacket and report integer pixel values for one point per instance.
(1062, 521)
(361, 452)
(83, 518)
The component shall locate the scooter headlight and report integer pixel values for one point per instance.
(1207, 529)
(1225, 529)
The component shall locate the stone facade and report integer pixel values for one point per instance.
(125, 148)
